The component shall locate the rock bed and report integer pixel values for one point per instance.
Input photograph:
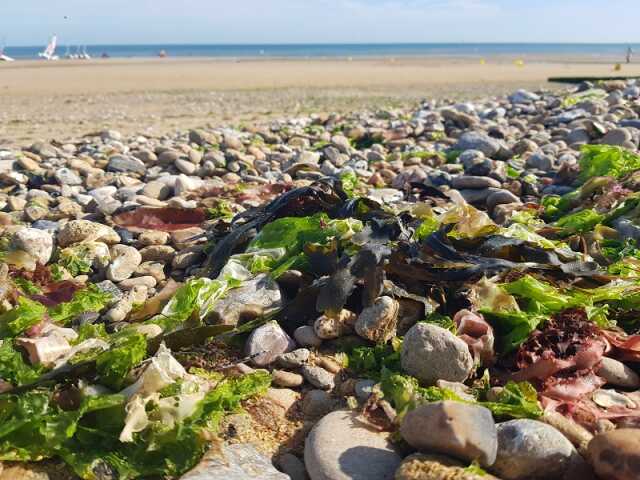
(444, 292)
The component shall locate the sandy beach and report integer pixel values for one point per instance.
(58, 100)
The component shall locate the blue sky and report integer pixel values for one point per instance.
(30, 22)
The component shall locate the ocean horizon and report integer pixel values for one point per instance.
(335, 50)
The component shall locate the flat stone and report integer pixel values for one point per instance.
(119, 163)
(294, 359)
(478, 141)
(500, 197)
(239, 461)
(318, 377)
(474, 182)
(431, 353)
(532, 449)
(453, 428)
(342, 448)
(615, 454)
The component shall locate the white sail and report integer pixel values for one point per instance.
(49, 52)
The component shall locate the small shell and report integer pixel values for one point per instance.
(611, 398)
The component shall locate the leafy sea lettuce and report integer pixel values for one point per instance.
(579, 222)
(128, 348)
(13, 368)
(24, 315)
(369, 361)
(90, 299)
(516, 400)
(162, 451)
(607, 160)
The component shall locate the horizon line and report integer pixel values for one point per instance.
(284, 44)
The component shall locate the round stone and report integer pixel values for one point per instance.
(615, 455)
(457, 429)
(340, 447)
(531, 449)
(431, 353)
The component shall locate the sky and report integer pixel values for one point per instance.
(31, 22)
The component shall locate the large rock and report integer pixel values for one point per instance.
(478, 141)
(431, 353)
(254, 298)
(615, 455)
(340, 447)
(234, 462)
(532, 449)
(453, 428)
(266, 343)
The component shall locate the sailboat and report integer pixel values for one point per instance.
(84, 55)
(3, 57)
(49, 52)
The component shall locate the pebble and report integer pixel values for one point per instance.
(266, 343)
(615, 455)
(124, 261)
(453, 428)
(283, 378)
(292, 466)
(478, 141)
(317, 403)
(318, 377)
(37, 243)
(364, 389)
(431, 353)
(294, 359)
(329, 327)
(76, 231)
(379, 321)
(306, 336)
(532, 449)
(119, 163)
(238, 461)
(474, 182)
(618, 374)
(340, 447)
(432, 466)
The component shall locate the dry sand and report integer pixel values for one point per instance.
(47, 100)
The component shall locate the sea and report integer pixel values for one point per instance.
(593, 51)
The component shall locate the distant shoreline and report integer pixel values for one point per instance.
(154, 96)
(604, 51)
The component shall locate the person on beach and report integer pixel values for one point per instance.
(629, 54)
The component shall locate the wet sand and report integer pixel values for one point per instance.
(60, 100)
